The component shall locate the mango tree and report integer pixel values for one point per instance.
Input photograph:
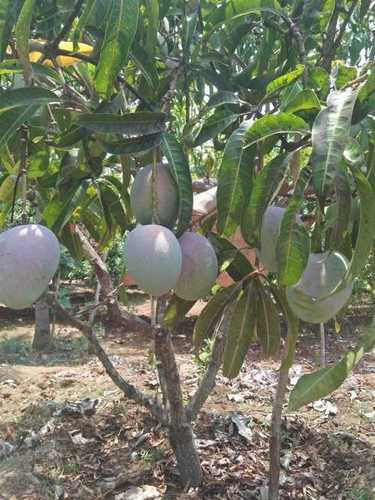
(280, 92)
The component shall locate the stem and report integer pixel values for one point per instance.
(323, 359)
(180, 431)
(275, 446)
(103, 276)
(277, 408)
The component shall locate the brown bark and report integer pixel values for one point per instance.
(43, 339)
(180, 431)
(116, 316)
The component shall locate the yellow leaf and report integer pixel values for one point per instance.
(62, 60)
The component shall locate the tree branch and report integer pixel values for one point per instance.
(208, 380)
(328, 43)
(297, 35)
(67, 26)
(129, 390)
(118, 316)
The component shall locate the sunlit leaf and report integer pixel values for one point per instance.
(176, 310)
(285, 80)
(329, 136)
(305, 100)
(235, 179)
(179, 167)
(281, 123)
(120, 31)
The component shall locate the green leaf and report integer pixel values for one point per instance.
(317, 385)
(268, 324)
(266, 186)
(366, 99)
(285, 80)
(16, 114)
(282, 123)
(305, 100)
(180, 169)
(241, 332)
(230, 257)
(151, 42)
(293, 244)
(8, 15)
(145, 65)
(319, 81)
(67, 139)
(211, 314)
(342, 208)
(214, 124)
(237, 9)
(72, 242)
(223, 97)
(345, 74)
(329, 136)
(22, 32)
(47, 72)
(114, 209)
(25, 97)
(59, 210)
(130, 124)
(82, 22)
(366, 231)
(120, 31)
(235, 179)
(133, 145)
(176, 310)
(244, 7)
(7, 188)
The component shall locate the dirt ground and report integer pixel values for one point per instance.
(67, 432)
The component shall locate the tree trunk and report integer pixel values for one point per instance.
(180, 431)
(43, 339)
(181, 439)
(277, 409)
